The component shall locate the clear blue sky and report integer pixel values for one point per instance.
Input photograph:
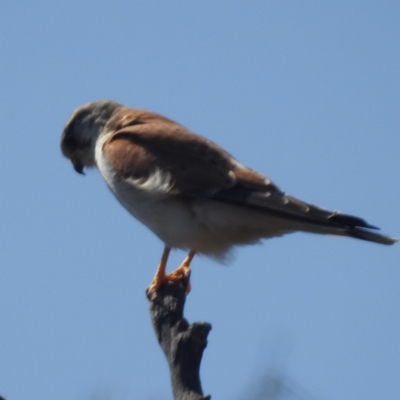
(305, 92)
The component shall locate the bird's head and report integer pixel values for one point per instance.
(82, 129)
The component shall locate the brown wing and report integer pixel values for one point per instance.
(195, 164)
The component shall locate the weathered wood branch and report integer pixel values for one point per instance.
(183, 344)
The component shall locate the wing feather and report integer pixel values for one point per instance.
(194, 163)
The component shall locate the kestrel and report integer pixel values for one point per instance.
(186, 189)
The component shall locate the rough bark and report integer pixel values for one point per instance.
(183, 344)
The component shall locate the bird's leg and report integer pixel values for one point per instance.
(160, 276)
(182, 271)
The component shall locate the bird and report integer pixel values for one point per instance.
(189, 191)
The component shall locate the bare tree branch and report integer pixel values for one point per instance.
(183, 344)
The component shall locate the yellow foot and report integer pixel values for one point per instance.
(182, 271)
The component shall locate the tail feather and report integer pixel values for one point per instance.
(363, 234)
(350, 220)
(302, 216)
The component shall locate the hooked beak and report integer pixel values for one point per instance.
(78, 167)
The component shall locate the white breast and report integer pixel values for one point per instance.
(152, 203)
